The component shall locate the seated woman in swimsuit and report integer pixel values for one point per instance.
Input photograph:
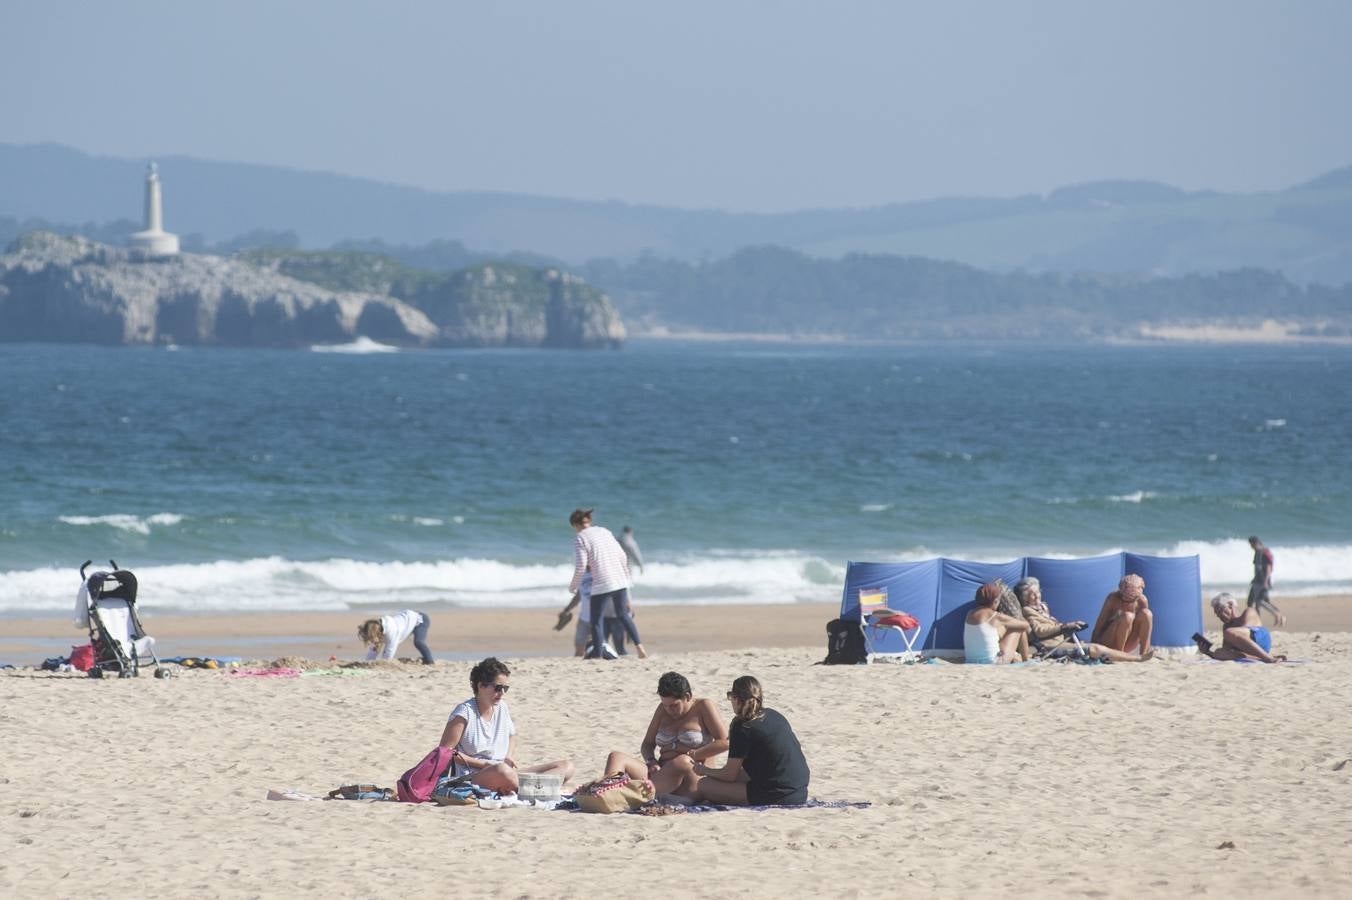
(990, 636)
(482, 733)
(1053, 639)
(1125, 621)
(1244, 636)
(683, 731)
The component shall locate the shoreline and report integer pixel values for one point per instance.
(1270, 333)
(461, 634)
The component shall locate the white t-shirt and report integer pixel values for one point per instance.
(398, 626)
(483, 738)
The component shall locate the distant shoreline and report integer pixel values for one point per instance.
(1268, 334)
(470, 633)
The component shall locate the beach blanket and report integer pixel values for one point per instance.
(669, 805)
(265, 673)
(203, 662)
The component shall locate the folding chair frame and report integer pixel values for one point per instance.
(908, 636)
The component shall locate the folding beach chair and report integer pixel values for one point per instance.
(873, 606)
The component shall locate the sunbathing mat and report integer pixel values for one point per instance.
(264, 673)
(679, 808)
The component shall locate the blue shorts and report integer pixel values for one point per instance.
(1262, 637)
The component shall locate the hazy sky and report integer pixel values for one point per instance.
(765, 105)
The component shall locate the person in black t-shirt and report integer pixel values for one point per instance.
(765, 764)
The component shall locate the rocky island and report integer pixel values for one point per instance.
(71, 289)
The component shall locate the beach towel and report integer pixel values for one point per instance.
(265, 673)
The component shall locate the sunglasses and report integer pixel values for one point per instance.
(732, 696)
(497, 688)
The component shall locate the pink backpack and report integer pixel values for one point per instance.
(418, 782)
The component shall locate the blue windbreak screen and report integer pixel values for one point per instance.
(939, 592)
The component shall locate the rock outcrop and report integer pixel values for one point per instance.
(486, 305)
(55, 288)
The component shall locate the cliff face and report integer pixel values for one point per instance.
(487, 305)
(504, 305)
(71, 289)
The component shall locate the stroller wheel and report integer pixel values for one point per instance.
(96, 672)
(161, 672)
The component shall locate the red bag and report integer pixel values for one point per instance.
(900, 620)
(82, 658)
(418, 782)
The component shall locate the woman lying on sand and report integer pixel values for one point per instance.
(683, 731)
(765, 764)
(484, 737)
(1243, 637)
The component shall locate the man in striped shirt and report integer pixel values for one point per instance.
(595, 550)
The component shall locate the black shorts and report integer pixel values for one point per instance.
(762, 796)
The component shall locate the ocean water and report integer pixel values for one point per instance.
(256, 479)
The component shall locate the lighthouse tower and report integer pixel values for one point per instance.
(154, 240)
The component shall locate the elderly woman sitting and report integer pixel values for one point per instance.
(1125, 621)
(1243, 635)
(990, 636)
(1052, 638)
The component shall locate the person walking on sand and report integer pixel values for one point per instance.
(630, 545)
(1262, 582)
(595, 550)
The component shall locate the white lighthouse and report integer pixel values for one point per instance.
(154, 240)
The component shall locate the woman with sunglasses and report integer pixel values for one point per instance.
(684, 730)
(765, 764)
(482, 733)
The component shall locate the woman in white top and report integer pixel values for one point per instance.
(683, 731)
(384, 635)
(988, 635)
(482, 733)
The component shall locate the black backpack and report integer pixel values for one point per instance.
(844, 643)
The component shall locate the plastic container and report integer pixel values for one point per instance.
(539, 787)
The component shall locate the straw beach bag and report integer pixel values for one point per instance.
(614, 793)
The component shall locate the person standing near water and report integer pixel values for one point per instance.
(595, 550)
(1262, 581)
(630, 545)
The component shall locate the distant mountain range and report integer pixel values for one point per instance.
(1304, 232)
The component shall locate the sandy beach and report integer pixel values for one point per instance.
(1161, 779)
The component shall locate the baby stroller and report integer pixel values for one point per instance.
(106, 605)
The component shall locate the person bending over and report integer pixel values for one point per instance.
(1125, 621)
(1052, 638)
(990, 636)
(765, 764)
(684, 730)
(482, 733)
(1242, 633)
(383, 636)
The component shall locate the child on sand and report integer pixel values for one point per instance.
(384, 635)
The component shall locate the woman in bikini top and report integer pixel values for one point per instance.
(683, 730)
